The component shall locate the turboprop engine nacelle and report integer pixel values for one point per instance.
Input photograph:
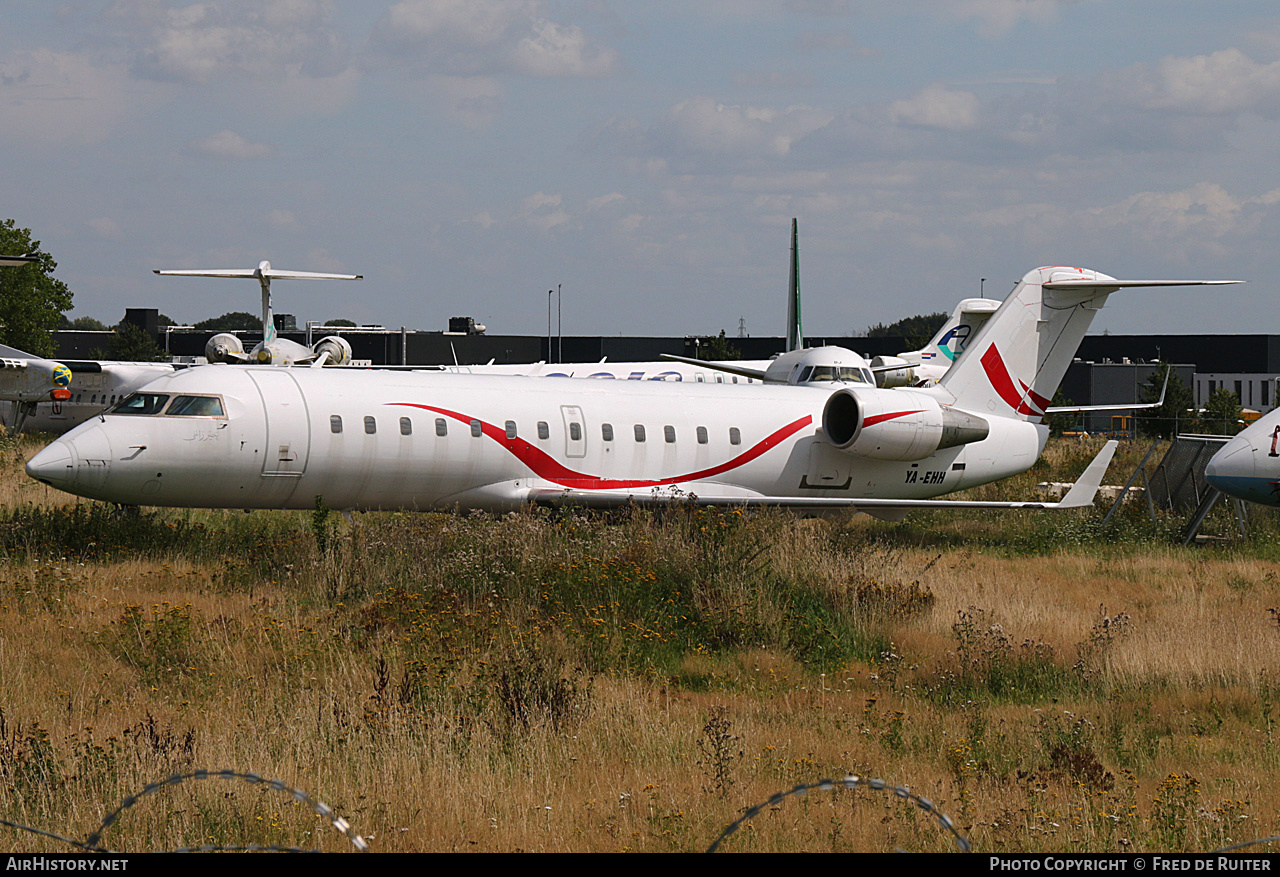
(336, 346)
(896, 424)
(902, 376)
(224, 348)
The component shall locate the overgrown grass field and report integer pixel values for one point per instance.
(573, 681)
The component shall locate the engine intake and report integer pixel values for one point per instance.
(896, 424)
(224, 348)
(336, 346)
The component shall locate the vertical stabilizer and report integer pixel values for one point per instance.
(795, 330)
(1014, 365)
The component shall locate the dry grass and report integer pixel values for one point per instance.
(496, 684)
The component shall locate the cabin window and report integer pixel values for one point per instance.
(700, 378)
(669, 433)
(196, 406)
(575, 432)
(640, 432)
(442, 426)
(370, 425)
(719, 379)
(511, 429)
(477, 429)
(735, 437)
(702, 435)
(335, 424)
(606, 431)
(406, 426)
(141, 403)
(544, 431)
(735, 379)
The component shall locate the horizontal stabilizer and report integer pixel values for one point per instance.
(1110, 284)
(256, 273)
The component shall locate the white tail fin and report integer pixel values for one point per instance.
(956, 333)
(1019, 357)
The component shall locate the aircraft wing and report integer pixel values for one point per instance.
(732, 369)
(1080, 495)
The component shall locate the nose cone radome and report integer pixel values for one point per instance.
(55, 466)
(1234, 471)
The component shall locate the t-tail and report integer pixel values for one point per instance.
(795, 330)
(1014, 365)
(226, 348)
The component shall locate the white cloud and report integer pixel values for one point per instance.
(705, 125)
(937, 107)
(543, 211)
(277, 39)
(228, 144)
(284, 220)
(998, 17)
(106, 227)
(1223, 82)
(471, 101)
(64, 97)
(489, 37)
(557, 50)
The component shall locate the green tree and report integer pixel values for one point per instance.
(131, 343)
(1060, 423)
(917, 330)
(1221, 415)
(341, 323)
(1176, 414)
(83, 324)
(718, 349)
(31, 300)
(231, 322)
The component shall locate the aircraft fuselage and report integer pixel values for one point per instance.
(414, 440)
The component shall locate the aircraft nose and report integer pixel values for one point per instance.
(55, 465)
(1231, 469)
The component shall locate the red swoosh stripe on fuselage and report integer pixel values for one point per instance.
(546, 467)
(998, 375)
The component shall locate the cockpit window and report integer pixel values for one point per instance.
(196, 406)
(847, 374)
(141, 403)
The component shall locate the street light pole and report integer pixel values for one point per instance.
(549, 350)
(559, 324)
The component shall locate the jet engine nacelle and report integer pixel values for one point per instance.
(896, 424)
(336, 346)
(224, 348)
(902, 376)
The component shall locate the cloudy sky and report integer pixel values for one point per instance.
(467, 155)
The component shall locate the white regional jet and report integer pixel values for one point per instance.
(1248, 466)
(249, 437)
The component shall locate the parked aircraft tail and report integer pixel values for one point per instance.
(1014, 365)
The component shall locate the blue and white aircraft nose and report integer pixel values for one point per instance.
(55, 465)
(1233, 470)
